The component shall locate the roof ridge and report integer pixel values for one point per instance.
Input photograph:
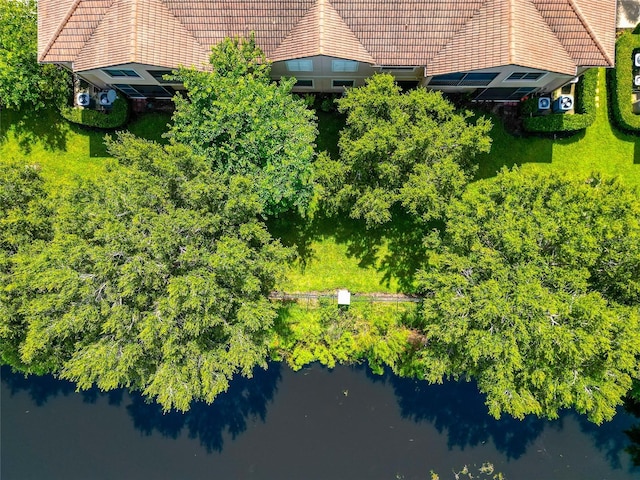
(587, 27)
(462, 27)
(315, 34)
(511, 31)
(178, 19)
(133, 40)
(58, 31)
(526, 9)
(321, 5)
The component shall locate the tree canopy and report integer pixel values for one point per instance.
(24, 218)
(246, 124)
(156, 278)
(533, 292)
(23, 82)
(411, 149)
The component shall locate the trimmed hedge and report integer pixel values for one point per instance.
(621, 80)
(561, 122)
(116, 117)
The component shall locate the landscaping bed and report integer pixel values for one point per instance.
(621, 83)
(585, 109)
(115, 117)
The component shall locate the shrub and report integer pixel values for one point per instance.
(116, 117)
(327, 104)
(621, 80)
(561, 122)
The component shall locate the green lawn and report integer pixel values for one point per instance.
(64, 151)
(333, 252)
(600, 148)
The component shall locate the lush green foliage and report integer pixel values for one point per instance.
(330, 335)
(245, 124)
(24, 83)
(585, 109)
(410, 149)
(155, 279)
(534, 293)
(24, 218)
(621, 81)
(116, 117)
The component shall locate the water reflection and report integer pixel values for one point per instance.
(246, 399)
(458, 410)
(393, 427)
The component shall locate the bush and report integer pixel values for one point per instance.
(621, 80)
(116, 117)
(561, 122)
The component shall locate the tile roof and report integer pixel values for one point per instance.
(141, 31)
(576, 34)
(444, 35)
(321, 31)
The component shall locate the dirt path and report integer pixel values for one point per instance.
(372, 297)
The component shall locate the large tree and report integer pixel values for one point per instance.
(23, 82)
(533, 292)
(156, 279)
(24, 218)
(246, 124)
(408, 149)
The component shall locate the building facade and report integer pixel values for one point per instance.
(494, 49)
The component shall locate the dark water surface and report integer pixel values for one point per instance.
(313, 424)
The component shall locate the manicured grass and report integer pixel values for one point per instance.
(63, 150)
(333, 252)
(330, 266)
(599, 148)
(335, 259)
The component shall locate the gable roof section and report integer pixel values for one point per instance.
(51, 18)
(321, 32)
(579, 37)
(444, 35)
(407, 32)
(547, 52)
(597, 19)
(75, 27)
(140, 31)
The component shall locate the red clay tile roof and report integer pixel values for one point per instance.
(501, 33)
(140, 31)
(444, 35)
(321, 31)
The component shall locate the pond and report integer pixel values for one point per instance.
(312, 424)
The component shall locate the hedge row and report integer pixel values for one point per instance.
(116, 117)
(585, 109)
(621, 80)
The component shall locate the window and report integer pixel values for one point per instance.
(112, 72)
(342, 83)
(532, 76)
(473, 79)
(159, 74)
(504, 94)
(397, 69)
(300, 65)
(464, 79)
(144, 91)
(344, 66)
(446, 80)
(128, 91)
(304, 84)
